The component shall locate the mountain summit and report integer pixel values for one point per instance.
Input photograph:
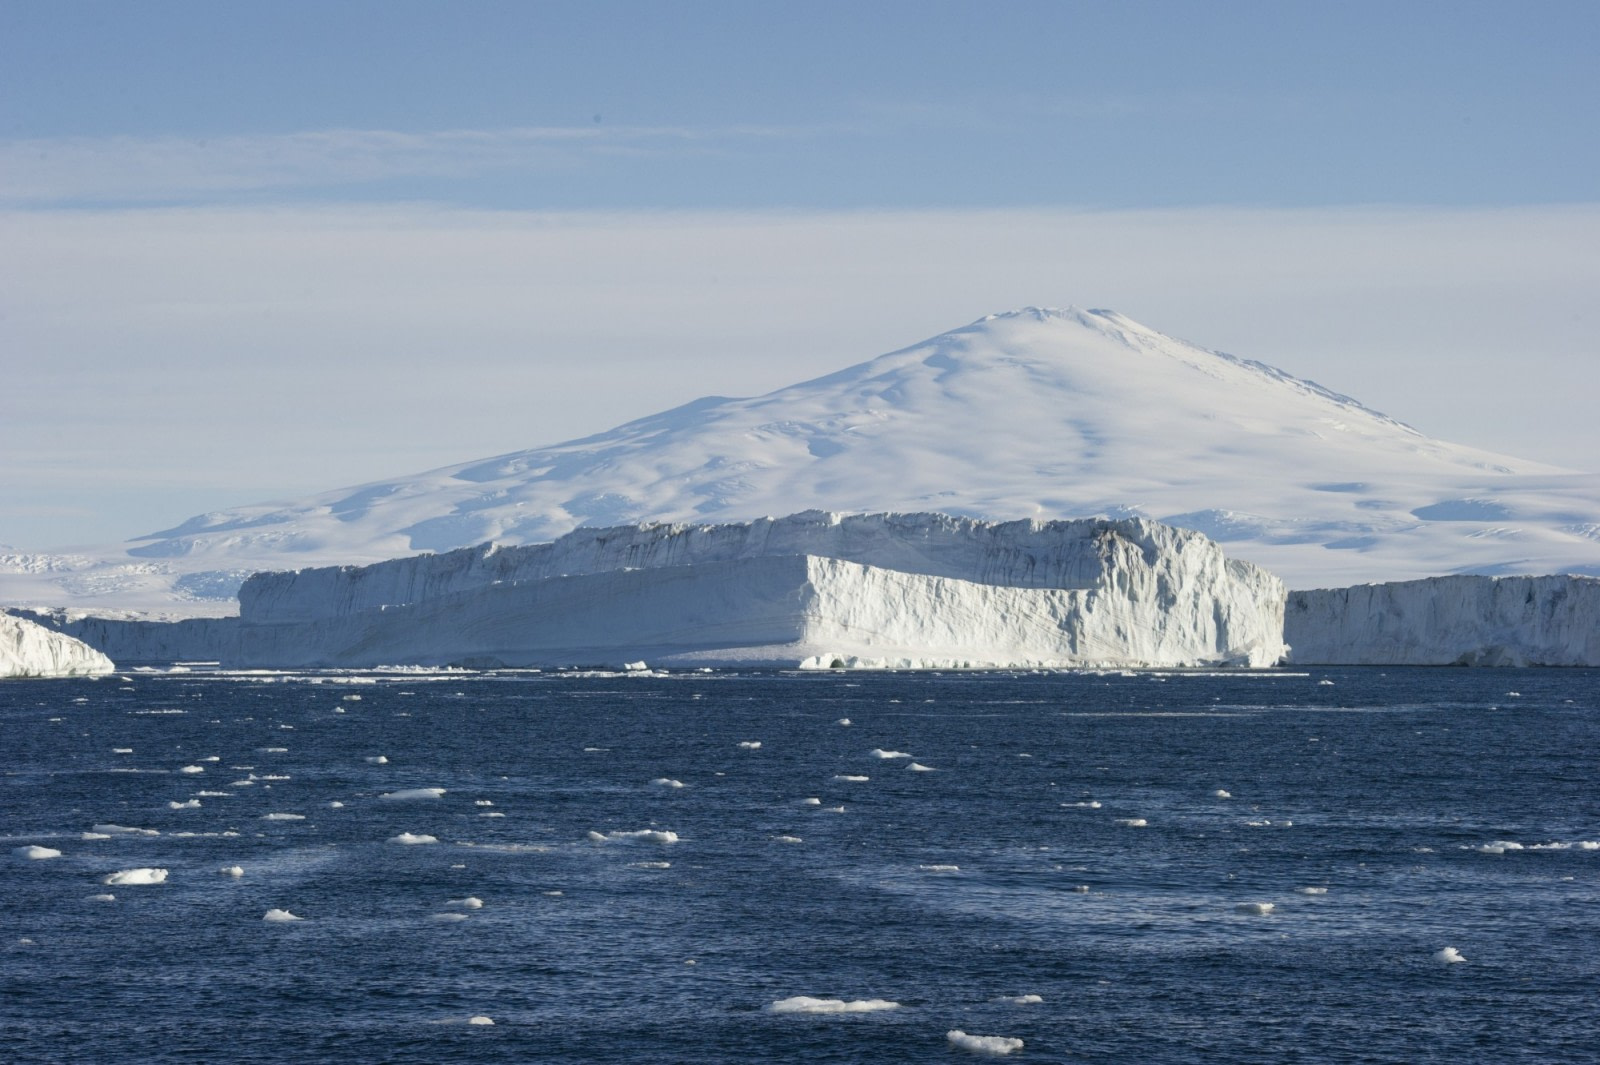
(1033, 413)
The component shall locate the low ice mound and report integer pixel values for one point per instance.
(940, 868)
(643, 835)
(376, 759)
(852, 778)
(652, 865)
(1254, 909)
(807, 1004)
(36, 853)
(412, 794)
(1500, 846)
(750, 745)
(135, 876)
(845, 721)
(471, 902)
(1222, 793)
(667, 782)
(918, 767)
(232, 870)
(813, 801)
(189, 804)
(787, 839)
(413, 839)
(1313, 891)
(1132, 822)
(102, 898)
(122, 830)
(193, 769)
(995, 1046)
(1021, 1000)
(449, 917)
(879, 752)
(1448, 956)
(280, 916)
(481, 1019)
(283, 817)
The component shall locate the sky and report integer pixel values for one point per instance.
(257, 251)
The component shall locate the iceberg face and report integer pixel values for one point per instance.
(28, 649)
(1444, 621)
(814, 588)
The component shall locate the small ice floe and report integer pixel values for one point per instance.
(471, 902)
(412, 794)
(851, 778)
(376, 759)
(643, 835)
(272, 750)
(1499, 846)
(283, 817)
(1312, 890)
(845, 721)
(667, 782)
(1222, 793)
(918, 767)
(807, 1004)
(879, 752)
(491, 813)
(94, 835)
(135, 876)
(1448, 955)
(811, 802)
(1131, 822)
(351, 699)
(108, 897)
(939, 868)
(1082, 889)
(1021, 1000)
(335, 804)
(279, 916)
(413, 839)
(212, 794)
(1254, 909)
(35, 853)
(122, 750)
(833, 809)
(1325, 683)
(750, 745)
(193, 769)
(787, 839)
(483, 802)
(105, 831)
(1092, 804)
(651, 865)
(232, 870)
(191, 804)
(1513, 695)
(634, 667)
(449, 917)
(995, 1046)
(481, 1020)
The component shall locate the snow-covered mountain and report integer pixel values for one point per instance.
(1030, 414)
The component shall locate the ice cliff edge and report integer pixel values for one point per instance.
(810, 589)
(31, 650)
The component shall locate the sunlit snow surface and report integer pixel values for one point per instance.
(1408, 869)
(1033, 414)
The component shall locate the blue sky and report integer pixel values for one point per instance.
(251, 251)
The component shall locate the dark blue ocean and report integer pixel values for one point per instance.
(713, 867)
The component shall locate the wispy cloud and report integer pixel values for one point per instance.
(123, 169)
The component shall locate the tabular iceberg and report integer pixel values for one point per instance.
(813, 589)
(1443, 621)
(31, 650)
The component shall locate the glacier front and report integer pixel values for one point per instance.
(28, 649)
(813, 589)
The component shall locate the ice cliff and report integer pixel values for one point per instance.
(31, 650)
(813, 588)
(1456, 620)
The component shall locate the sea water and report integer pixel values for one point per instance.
(1320, 866)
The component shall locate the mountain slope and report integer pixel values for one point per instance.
(1035, 413)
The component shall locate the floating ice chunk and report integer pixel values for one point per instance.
(750, 745)
(634, 667)
(852, 778)
(94, 835)
(811, 802)
(491, 813)
(102, 898)
(940, 868)
(845, 721)
(787, 839)
(122, 750)
(410, 794)
(879, 752)
(482, 802)
(122, 830)
(806, 1004)
(667, 782)
(652, 865)
(36, 853)
(1092, 804)
(1500, 846)
(351, 699)
(283, 817)
(989, 1045)
(413, 839)
(335, 804)
(232, 870)
(1021, 1000)
(1325, 683)
(1313, 891)
(1254, 909)
(191, 804)
(449, 917)
(1588, 845)
(1222, 793)
(471, 902)
(135, 876)
(481, 1019)
(212, 794)
(833, 809)
(193, 769)
(918, 767)
(1448, 955)
(272, 750)
(376, 759)
(1082, 889)
(1132, 822)
(643, 835)
(278, 916)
